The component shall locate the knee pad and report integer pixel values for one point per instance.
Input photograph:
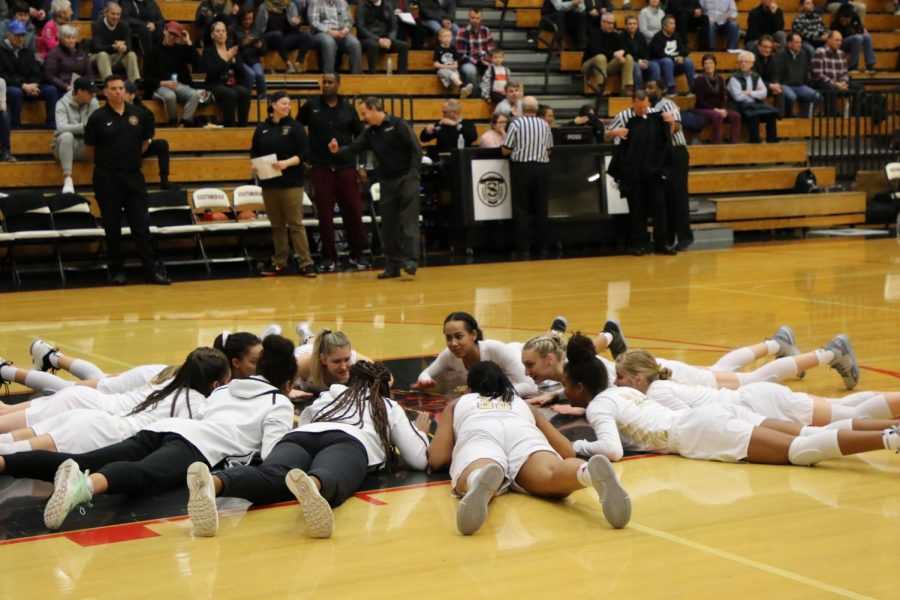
(809, 450)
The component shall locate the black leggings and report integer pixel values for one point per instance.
(235, 103)
(146, 463)
(160, 149)
(337, 459)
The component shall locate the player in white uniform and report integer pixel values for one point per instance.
(82, 430)
(491, 439)
(242, 349)
(348, 431)
(465, 347)
(623, 416)
(245, 417)
(325, 360)
(638, 369)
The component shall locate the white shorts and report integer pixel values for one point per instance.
(129, 380)
(718, 431)
(776, 402)
(508, 442)
(691, 375)
(84, 430)
(76, 396)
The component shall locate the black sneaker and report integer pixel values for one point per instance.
(618, 345)
(410, 269)
(5, 156)
(389, 274)
(358, 264)
(327, 266)
(307, 271)
(560, 324)
(158, 278)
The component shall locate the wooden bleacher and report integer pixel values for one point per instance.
(744, 213)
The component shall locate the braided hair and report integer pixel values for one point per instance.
(369, 385)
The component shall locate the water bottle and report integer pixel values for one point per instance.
(390, 66)
(175, 77)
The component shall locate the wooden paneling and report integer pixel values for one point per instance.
(724, 181)
(230, 139)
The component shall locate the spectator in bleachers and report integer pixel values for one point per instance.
(587, 117)
(72, 113)
(638, 48)
(224, 72)
(856, 38)
(157, 147)
(475, 45)
(793, 68)
(253, 49)
(671, 56)
(650, 19)
(61, 14)
(435, 15)
(598, 8)
(22, 72)
(209, 11)
(711, 102)
(605, 54)
(5, 145)
(858, 7)
(67, 61)
(37, 10)
(145, 21)
(748, 93)
(809, 24)
(452, 131)
(20, 14)
(167, 70)
(496, 76)
(829, 70)
(446, 62)
(493, 137)
(765, 19)
(764, 65)
(722, 16)
(511, 106)
(333, 178)
(545, 112)
(570, 17)
(331, 21)
(111, 44)
(689, 17)
(376, 27)
(278, 25)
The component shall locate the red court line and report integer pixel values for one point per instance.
(100, 537)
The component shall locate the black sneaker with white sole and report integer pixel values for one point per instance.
(618, 345)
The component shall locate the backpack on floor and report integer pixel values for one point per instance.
(806, 182)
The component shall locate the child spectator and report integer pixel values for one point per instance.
(493, 83)
(446, 61)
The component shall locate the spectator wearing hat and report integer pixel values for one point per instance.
(167, 70)
(157, 147)
(67, 61)
(111, 44)
(72, 113)
(22, 72)
(20, 13)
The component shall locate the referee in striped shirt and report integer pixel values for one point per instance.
(677, 186)
(528, 143)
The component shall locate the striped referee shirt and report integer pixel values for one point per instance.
(530, 139)
(664, 105)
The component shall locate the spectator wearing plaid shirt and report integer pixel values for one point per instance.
(809, 24)
(474, 44)
(829, 65)
(331, 21)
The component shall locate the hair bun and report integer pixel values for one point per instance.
(580, 349)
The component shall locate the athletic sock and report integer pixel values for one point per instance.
(876, 407)
(824, 356)
(855, 399)
(777, 370)
(811, 449)
(734, 360)
(842, 425)
(45, 382)
(8, 373)
(584, 478)
(83, 369)
(772, 347)
(470, 480)
(6, 438)
(14, 447)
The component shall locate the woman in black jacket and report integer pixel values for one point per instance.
(224, 69)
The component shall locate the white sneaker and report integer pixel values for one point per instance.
(466, 90)
(70, 489)
(41, 352)
(272, 329)
(316, 511)
(473, 507)
(613, 497)
(891, 438)
(202, 501)
(68, 186)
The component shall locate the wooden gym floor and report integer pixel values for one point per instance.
(699, 530)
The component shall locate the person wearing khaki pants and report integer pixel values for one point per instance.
(605, 54)
(111, 44)
(284, 137)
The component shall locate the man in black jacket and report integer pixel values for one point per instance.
(605, 54)
(766, 68)
(765, 19)
(22, 73)
(671, 55)
(167, 70)
(636, 45)
(145, 21)
(111, 44)
(689, 17)
(452, 131)
(376, 28)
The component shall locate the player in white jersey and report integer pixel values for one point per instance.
(465, 347)
(245, 417)
(348, 431)
(82, 430)
(491, 439)
(638, 369)
(325, 360)
(623, 416)
(242, 349)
